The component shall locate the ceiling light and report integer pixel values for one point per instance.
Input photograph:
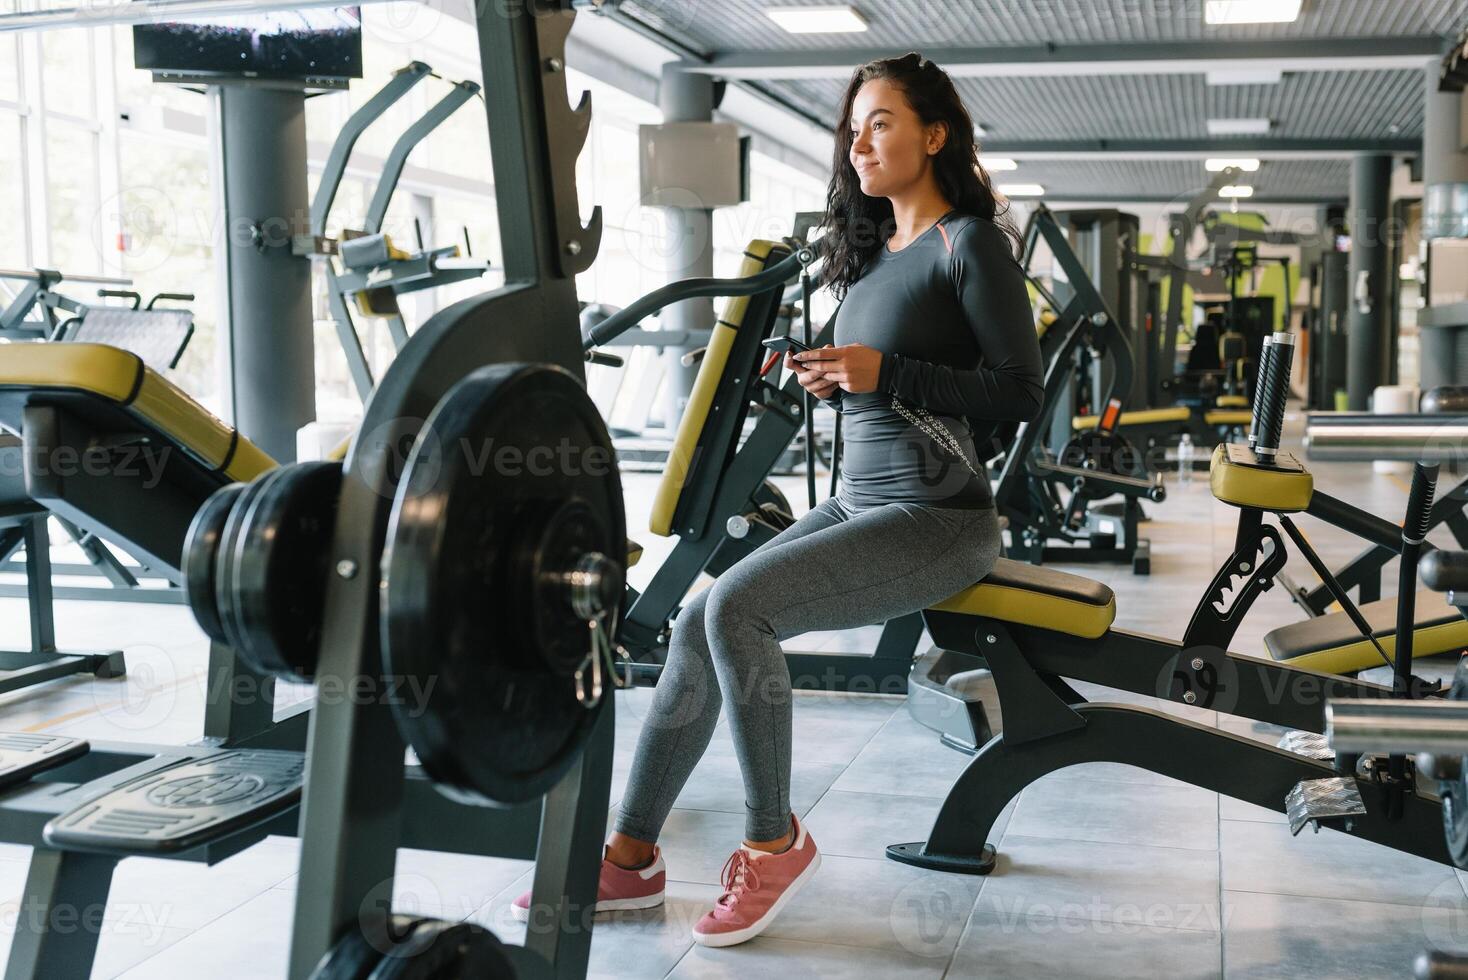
(992, 164)
(1247, 164)
(1252, 11)
(1238, 127)
(1236, 190)
(1245, 76)
(1021, 190)
(818, 20)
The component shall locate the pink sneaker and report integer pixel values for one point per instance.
(757, 886)
(618, 888)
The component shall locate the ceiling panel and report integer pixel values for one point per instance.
(1364, 106)
(741, 25)
(1306, 105)
(1178, 180)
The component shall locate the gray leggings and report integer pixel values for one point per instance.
(831, 570)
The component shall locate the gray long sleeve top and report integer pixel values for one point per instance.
(952, 319)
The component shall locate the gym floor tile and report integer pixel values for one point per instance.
(188, 895)
(881, 904)
(122, 946)
(247, 944)
(1120, 884)
(863, 824)
(818, 961)
(903, 759)
(1263, 857)
(1047, 946)
(1281, 937)
(636, 945)
(1112, 812)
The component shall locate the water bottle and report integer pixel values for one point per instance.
(1185, 460)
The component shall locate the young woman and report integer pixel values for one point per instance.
(934, 329)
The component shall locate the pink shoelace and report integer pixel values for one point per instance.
(738, 877)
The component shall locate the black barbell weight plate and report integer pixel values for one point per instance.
(224, 565)
(357, 954)
(281, 560)
(442, 950)
(514, 461)
(200, 557)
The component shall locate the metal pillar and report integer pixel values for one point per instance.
(685, 96)
(1444, 170)
(1367, 341)
(272, 369)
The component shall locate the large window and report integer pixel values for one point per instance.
(108, 172)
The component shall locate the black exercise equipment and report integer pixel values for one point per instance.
(1049, 496)
(360, 801)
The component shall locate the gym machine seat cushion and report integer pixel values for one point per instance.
(634, 552)
(700, 400)
(1150, 416)
(1231, 401)
(1332, 644)
(1282, 492)
(1229, 417)
(1015, 592)
(120, 380)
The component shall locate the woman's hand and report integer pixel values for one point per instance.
(811, 379)
(853, 367)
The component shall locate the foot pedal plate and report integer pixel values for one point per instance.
(1312, 745)
(1322, 799)
(23, 754)
(184, 804)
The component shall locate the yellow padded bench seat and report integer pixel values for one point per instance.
(119, 378)
(1150, 416)
(1280, 491)
(1231, 401)
(1331, 643)
(1228, 416)
(1015, 592)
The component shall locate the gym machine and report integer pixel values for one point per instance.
(1091, 465)
(1430, 737)
(1038, 629)
(472, 585)
(363, 266)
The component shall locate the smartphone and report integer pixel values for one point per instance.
(785, 345)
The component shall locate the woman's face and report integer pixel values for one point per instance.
(891, 148)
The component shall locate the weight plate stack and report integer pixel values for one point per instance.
(418, 949)
(272, 583)
(201, 557)
(499, 554)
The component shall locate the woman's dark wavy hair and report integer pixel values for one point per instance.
(857, 225)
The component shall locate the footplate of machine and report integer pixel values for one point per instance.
(1312, 745)
(23, 754)
(1314, 800)
(183, 805)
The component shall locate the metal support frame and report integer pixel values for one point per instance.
(1049, 727)
(351, 820)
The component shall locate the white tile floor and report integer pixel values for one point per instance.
(1105, 871)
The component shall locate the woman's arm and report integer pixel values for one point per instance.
(1009, 383)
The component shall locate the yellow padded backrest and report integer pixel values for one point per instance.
(120, 377)
(695, 416)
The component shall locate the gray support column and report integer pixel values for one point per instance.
(685, 96)
(1444, 164)
(272, 366)
(1369, 210)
